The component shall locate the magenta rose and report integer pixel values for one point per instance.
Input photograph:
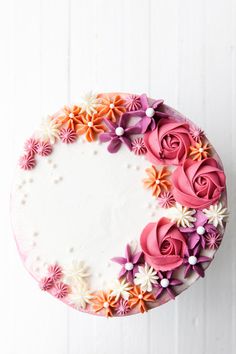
(198, 184)
(163, 245)
(169, 143)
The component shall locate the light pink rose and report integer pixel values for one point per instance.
(163, 245)
(169, 143)
(198, 184)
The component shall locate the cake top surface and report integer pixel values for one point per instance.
(118, 204)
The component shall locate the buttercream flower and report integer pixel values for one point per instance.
(132, 103)
(120, 288)
(197, 233)
(149, 113)
(129, 263)
(55, 272)
(157, 180)
(213, 240)
(27, 161)
(70, 117)
(198, 184)
(77, 272)
(90, 126)
(199, 151)
(138, 146)
(49, 130)
(46, 283)
(216, 214)
(31, 145)
(196, 133)
(183, 216)
(122, 307)
(118, 134)
(140, 298)
(146, 278)
(169, 143)
(44, 148)
(89, 103)
(68, 135)
(163, 245)
(61, 290)
(104, 301)
(166, 200)
(80, 296)
(193, 262)
(111, 107)
(166, 284)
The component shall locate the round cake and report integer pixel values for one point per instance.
(118, 204)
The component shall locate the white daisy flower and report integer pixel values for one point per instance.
(89, 103)
(145, 278)
(76, 273)
(80, 296)
(48, 130)
(183, 216)
(216, 214)
(121, 289)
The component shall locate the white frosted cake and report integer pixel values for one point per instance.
(118, 205)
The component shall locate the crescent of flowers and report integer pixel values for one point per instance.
(184, 178)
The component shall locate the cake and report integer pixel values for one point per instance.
(118, 204)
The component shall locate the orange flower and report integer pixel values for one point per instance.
(200, 151)
(139, 298)
(157, 180)
(70, 117)
(104, 301)
(111, 107)
(90, 126)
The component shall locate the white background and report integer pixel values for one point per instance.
(52, 51)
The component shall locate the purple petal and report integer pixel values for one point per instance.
(187, 229)
(201, 218)
(187, 270)
(193, 240)
(129, 277)
(105, 137)
(136, 257)
(171, 293)
(175, 282)
(196, 250)
(203, 259)
(119, 260)
(114, 145)
(169, 274)
(110, 124)
(144, 124)
(153, 124)
(203, 242)
(144, 101)
(159, 291)
(133, 130)
(126, 141)
(157, 103)
(199, 270)
(128, 253)
(122, 272)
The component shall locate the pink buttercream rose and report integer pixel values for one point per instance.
(163, 245)
(198, 184)
(169, 143)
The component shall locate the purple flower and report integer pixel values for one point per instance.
(193, 262)
(129, 263)
(197, 233)
(148, 113)
(122, 308)
(118, 134)
(166, 283)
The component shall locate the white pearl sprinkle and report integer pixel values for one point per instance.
(157, 181)
(90, 124)
(201, 230)
(201, 150)
(140, 296)
(106, 305)
(119, 131)
(192, 260)
(71, 115)
(129, 266)
(165, 282)
(150, 112)
(112, 105)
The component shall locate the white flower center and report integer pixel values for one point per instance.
(90, 124)
(71, 115)
(129, 266)
(165, 282)
(201, 150)
(120, 131)
(192, 260)
(150, 112)
(106, 305)
(112, 106)
(157, 181)
(140, 296)
(201, 230)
